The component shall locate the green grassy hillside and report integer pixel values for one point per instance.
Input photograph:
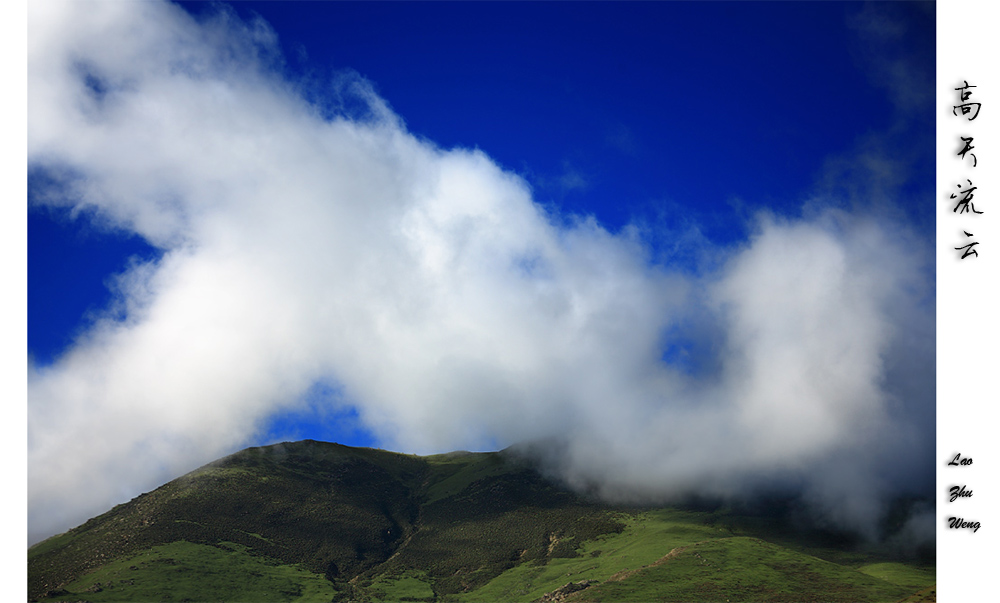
(744, 569)
(313, 521)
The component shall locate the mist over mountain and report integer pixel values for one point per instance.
(311, 251)
(317, 521)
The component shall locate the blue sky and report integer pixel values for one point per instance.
(661, 204)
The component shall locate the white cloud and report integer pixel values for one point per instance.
(450, 307)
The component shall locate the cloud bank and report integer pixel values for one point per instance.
(302, 246)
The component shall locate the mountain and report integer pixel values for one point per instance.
(315, 521)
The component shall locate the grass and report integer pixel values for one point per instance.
(409, 586)
(914, 578)
(451, 473)
(927, 595)
(647, 537)
(50, 544)
(185, 571)
(745, 569)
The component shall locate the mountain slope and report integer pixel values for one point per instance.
(329, 508)
(313, 521)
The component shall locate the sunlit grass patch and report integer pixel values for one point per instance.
(409, 586)
(904, 575)
(745, 569)
(185, 571)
